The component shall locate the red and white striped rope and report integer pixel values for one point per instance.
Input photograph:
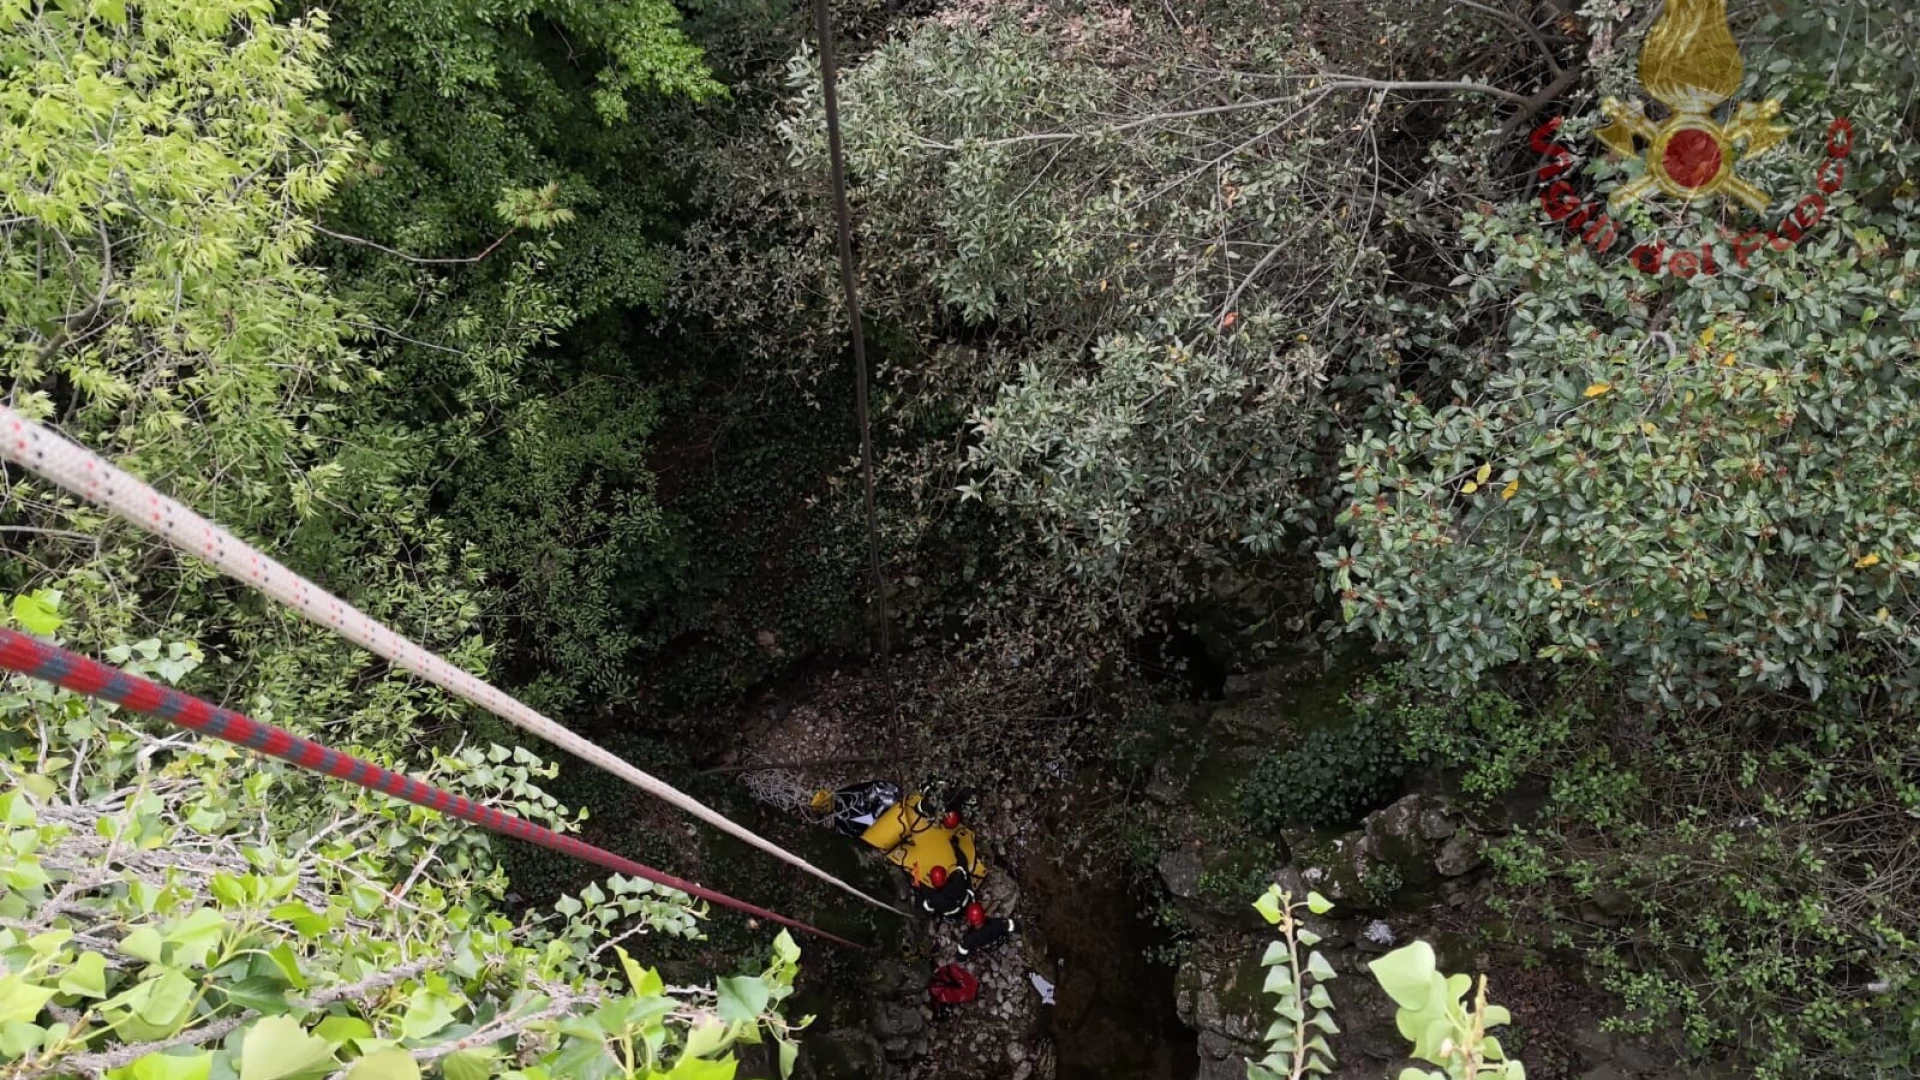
(89, 476)
(43, 660)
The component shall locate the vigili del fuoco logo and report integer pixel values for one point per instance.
(1692, 66)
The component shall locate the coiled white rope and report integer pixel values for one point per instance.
(89, 476)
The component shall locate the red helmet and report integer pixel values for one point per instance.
(938, 875)
(952, 820)
(976, 916)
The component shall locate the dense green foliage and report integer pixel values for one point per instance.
(177, 909)
(1333, 773)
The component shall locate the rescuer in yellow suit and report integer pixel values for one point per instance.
(905, 830)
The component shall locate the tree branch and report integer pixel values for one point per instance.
(319, 228)
(1513, 20)
(1336, 82)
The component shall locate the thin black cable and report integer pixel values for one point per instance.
(823, 25)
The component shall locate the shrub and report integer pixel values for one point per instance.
(1489, 737)
(1329, 775)
(1745, 878)
(1708, 485)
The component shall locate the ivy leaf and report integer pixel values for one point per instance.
(646, 981)
(789, 1053)
(1276, 954)
(279, 1047)
(1318, 997)
(393, 1063)
(742, 1000)
(1318, 904)
(1308, 937)
(1497, 1015)
(38, 613)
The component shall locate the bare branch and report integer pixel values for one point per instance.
(319, 228)
(1517, 23)
(1335, 82)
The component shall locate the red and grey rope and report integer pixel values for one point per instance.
(91, 477)
(24, 654)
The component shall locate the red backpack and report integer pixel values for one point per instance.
(953, 985)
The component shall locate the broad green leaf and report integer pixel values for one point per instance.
(474, 1064)
(1324, 1021)
(142, 944)
(1318, 904)
(196, 936)
(260, 993)
(197, 1065)
(278, 1047)
(693, 1068)
(289, 965)
(1432, 1038)
(38, 613)
(427, 1012)
(86, 976)
(1406, 974)
(340, 1029)
(1319, 968)
(392, 1063)
(1276, 954)
(1307, 937)
(789, 1053)
(707, 1039)
(1498, 1015)
(1269, 905)
(1318, 997)
(19, 1038)
(742, 999)
(785, 949)
(646, 981)
(1279, 979)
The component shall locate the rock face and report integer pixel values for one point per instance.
(1180, 871)
(843, 1054)
(1459, 855)
(1399, 855)
(1219, 996)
